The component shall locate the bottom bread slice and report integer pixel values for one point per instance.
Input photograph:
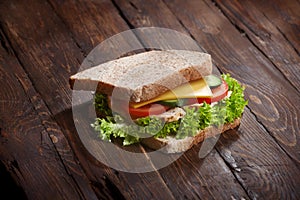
(172, 145)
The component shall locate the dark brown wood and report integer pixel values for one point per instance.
(37, 59)
(98, 174)
(262, 168)
(41, 51)
(87, 12)
(46, 42)
(126, 185)
(271, 28)
(33, 148)
(193, 178)
(209, 26)
(93, 23)
(278, 113)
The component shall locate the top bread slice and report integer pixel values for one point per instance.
(144, 76)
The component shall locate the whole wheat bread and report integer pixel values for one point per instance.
(144, 76)
(172, 145)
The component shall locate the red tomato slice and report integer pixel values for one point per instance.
(120, 107)
(219, 93)
(150, 109)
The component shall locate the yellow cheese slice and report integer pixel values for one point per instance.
(193, 89)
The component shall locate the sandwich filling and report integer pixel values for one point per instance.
(182, 112)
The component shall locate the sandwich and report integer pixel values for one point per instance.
(167, 100)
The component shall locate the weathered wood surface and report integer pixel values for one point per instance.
(264, 105)
(33, 148)
(44, 42)
(101, 179)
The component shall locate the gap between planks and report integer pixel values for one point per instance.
(35, 86)
(190, 34)
(6, 44)
(259, 123)
(242, 31)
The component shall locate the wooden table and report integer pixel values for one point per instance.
(44, 42)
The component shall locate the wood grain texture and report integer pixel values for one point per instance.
(87, 12)
(231, 51)
(278, 113)
(265, 29)
(41, 51)
(44, 43)
(205, 184)
(125, 185)
(285, 17)
(104, 180)
(193, 178)
(264, 169)
(45, 74)
(42, 166)
(93, 23)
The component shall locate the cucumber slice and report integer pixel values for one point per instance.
(213, 81)
(171, 103)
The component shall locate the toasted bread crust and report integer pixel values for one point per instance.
(144, 76)
(173, 145)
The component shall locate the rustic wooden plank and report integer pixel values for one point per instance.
(126, 185)
(93, 23)
(53, 32)
(32, 149)
(136, 190)
(188, 173)
(30, 48)
(130, 190)
(276, 34)
(243, 59)
(285, 16)
(193, 178)
(264, 169)
(87, 12)
(41, 51)
(233, 53)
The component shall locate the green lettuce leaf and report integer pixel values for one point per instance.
(236, 103)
